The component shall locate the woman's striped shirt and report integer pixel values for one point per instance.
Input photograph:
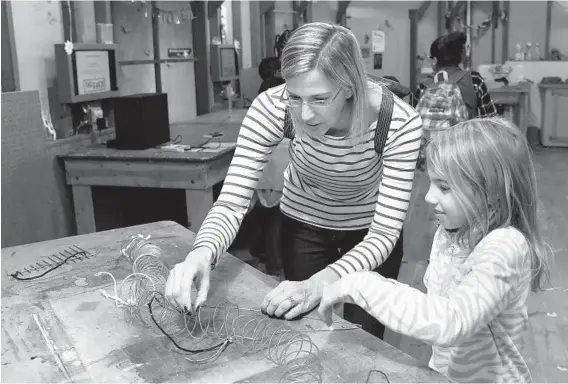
(474, 313)
(329, 183)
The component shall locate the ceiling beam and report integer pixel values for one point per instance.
(422, 9)
(456, 9)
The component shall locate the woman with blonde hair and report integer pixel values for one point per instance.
(487, 255)
(346, 190)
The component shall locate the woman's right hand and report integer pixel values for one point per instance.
(195, 269)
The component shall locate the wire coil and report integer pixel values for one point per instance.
(211, 328)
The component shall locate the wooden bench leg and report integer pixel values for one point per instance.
(84, 211)
(198, 202)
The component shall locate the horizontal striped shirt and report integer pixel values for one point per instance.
(329, 182)
(474, 313)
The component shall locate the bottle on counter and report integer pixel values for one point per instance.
(537, 55)
(528, 54)
(518, 53)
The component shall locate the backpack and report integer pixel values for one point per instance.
(443, 105)
(381, 129)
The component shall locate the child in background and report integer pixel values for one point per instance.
(269, 72)
(436, 101)
(446, 55)
(486, 256)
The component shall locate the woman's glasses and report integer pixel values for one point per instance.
(296, 102)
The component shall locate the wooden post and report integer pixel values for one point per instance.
(494, 24)
(84, 17)
(547, 34)
(237, 29)
(441, 18)
(341, 16)
(103, 12)
(255, 33)
(468, 45)
(422, 9)
(84, 209)
(10, 73)
(300, 11)
(199, 30)
(68, 22)
(505, 36)
(269, 35)
(413, 15)
(156, 46)
(238, 36)
(309, 13)
(296, 5)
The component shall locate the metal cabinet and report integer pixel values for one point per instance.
(554, 121)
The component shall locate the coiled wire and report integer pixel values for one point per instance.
(211, 328)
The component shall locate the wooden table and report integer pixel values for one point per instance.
(94, 342)
(195, 172)
(554, 111)
(518, 97)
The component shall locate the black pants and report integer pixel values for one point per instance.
(306, 250)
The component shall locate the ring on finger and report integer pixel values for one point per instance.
(293, 302)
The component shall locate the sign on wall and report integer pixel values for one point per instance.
(378, 61)
(93, 72)
(378, 41)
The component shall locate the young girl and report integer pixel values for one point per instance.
(486, 257)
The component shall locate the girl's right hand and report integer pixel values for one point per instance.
(195, 269)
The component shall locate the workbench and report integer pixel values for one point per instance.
(518, 98)
(93, 342)
(196, 172)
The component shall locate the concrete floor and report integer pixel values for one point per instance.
(547, 338)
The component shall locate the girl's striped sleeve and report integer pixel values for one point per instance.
(498, 264)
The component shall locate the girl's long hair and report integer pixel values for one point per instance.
(489, 167)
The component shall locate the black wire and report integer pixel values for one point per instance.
(18, 273)
(171, 338)
(203, 144)
(178, 139)
(376, 370)
(209, 140)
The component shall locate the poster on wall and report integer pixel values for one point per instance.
(378, 61)
(378, 41)
(93, 72)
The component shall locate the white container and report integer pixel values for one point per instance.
(105, 33)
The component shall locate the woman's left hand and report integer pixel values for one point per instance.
(333, 295)
(292, 298)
